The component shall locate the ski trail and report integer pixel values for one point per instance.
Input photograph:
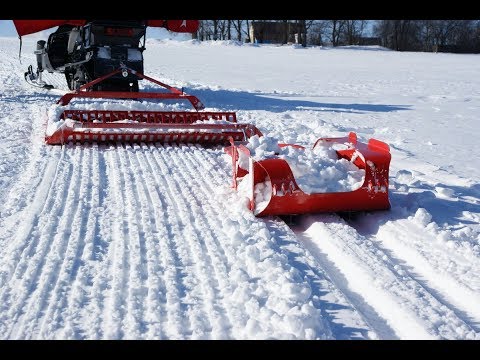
(140, 242)
(209, 182)
(377, 281)
(16, 229)
(86, 301)
(189, 247)
(440, 268)
(115, 309)
(136, 291)
(19, 237)
(217, 256)
(58, 221)
(151, 211)
(346, 321)
(244, 312)
(74, 229)
(221, 256)
(43, 253)
(174, 276)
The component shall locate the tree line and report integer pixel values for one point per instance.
(400, 35)
(430, 35)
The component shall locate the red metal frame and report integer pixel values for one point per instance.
(173, 93)
(164, 117)
(145, 126)
(288, 199)
(75, 131)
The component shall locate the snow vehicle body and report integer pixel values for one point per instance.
(84, 50)
(104, 59)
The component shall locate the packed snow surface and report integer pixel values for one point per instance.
(151, 242)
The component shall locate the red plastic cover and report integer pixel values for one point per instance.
(26, 27)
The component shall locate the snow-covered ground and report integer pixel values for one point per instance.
(145, 241)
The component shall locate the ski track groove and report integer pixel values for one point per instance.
(21, 226)
(115, 311)
(71, 270)
(94, 255)
(43, 262)
(200, 205)
(324, 286)
(197, 297)
(214, 177)
(151, 212)
(58, 247)
(138, 293)
(22, 247)
(431, 269)
(174, 255)
(171, 255)
(431, 317)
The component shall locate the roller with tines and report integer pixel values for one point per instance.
(103, 59)
(135, 126)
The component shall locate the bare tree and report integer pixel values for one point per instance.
(286, 31)
(352, 31)
(237, 25)
(229, 29)
(336, 29)
(249, 38)
(318, 31)
(302, 28)
(215, 24)
(400, 35)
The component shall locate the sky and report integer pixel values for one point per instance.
(7, 28)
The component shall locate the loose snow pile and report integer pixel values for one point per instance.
(317, 170)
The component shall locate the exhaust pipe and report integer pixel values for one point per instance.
(39, 52)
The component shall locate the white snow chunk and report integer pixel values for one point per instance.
(422, 217)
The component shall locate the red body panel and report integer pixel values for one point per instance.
(26, 27)
(288, 199)
(181, 26)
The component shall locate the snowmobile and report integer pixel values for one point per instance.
(84, 50)
(104, 59)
